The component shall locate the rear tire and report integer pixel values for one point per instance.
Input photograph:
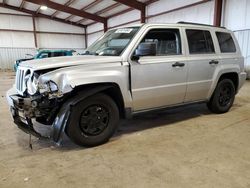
(93, 121)
(223, 97)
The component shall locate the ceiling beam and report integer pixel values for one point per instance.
(148, 2)
(115, 14)
(133, 4)
(37, 10)
(85, 8)
(39, 15)
(22, 4)
(108, 8)
(121, 12)
(136, 5)
(69, 10)
(102, 11)
(91, 4)
(69, 2)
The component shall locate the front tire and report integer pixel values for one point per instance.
(93, 121)
(223, 97)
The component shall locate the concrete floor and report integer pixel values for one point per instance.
(184, 147)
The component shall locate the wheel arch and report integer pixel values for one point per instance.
(111, 89)
(230, 74)
(80, 93)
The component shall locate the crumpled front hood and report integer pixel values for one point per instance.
(66, 61)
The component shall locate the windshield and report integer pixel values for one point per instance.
(113, 43)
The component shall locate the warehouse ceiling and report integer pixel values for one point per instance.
(76, 12)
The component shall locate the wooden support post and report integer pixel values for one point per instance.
(34, 31)
(105, 25)
(143, 15)
(217, 12)
(86, 37)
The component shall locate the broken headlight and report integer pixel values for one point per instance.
(48, 87)
(32, 84)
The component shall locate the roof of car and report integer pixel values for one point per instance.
(179, 24)
(54, 50)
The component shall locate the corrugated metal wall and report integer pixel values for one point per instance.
(202, 13)
(243, 37)
(237, 18)
(9, 55)
(14, 45)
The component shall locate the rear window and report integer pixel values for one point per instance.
(199, 41)
(226, 42)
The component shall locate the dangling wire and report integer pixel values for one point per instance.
(30, 142)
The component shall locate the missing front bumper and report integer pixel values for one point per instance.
(24, 123)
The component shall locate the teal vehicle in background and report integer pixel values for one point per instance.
(45, 54)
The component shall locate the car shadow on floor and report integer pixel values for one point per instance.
(161, 118)
(138, 123)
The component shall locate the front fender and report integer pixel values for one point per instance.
(69, 78)
(62, 118)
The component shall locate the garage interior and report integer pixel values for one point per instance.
(181, 147)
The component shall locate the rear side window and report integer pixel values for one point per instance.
(226, 42)
(199, 41)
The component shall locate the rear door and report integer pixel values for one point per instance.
(202, 62)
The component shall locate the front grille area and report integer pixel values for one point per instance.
(20, 80)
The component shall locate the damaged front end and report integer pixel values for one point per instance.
(38, 98)
(40, 108)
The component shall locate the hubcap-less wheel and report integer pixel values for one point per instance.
(94, 120)
(225, 95)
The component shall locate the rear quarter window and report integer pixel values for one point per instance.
(226, 42)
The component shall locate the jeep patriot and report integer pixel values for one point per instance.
(127, 71)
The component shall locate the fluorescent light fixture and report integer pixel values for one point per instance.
(43, 7)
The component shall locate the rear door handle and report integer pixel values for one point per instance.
(213, 62)
(178, 64)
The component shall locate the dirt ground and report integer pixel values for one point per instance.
(184, 147)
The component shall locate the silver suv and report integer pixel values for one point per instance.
(127, 71)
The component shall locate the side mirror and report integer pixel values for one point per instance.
(146, 49)
(135, 58)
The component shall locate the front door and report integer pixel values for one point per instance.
(160, 80)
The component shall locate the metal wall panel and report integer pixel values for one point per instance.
(237, 18)
(243, 37)
(9, 55)
(202, 13)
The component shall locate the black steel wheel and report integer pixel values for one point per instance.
(93, 120)
(223, 97)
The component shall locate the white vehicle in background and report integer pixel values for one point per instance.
(128, 71)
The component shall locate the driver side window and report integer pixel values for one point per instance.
(167, 41)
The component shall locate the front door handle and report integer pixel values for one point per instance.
(213, 62)
(178, 64)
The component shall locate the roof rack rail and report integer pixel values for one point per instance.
(192, 23)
